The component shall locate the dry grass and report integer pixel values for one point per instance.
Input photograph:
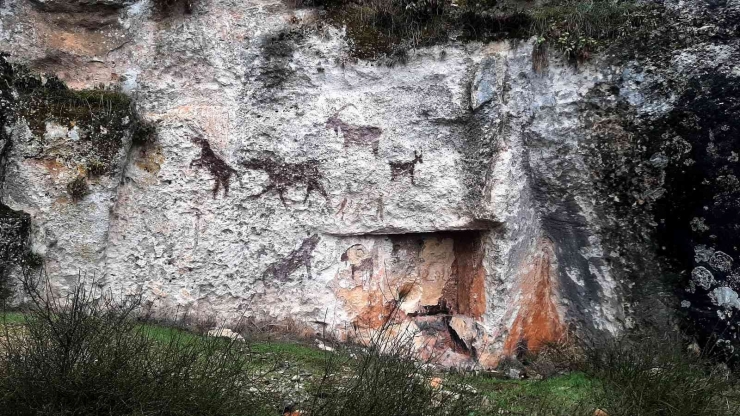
(387, 29)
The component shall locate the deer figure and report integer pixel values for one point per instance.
(220, 170)
(282, 175)
(353, 134)
(399, 169)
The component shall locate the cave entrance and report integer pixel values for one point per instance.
(448, 271)
(437, 273)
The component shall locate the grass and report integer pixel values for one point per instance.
(164, 334)
(567, 391)
(580, 28)
(297, 353)
(387, 29)
(653, 374)
(617, 379)
(12, 318)
(85, 354)
(344, 364)
(307, 357)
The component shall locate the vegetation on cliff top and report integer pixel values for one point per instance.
(576, 28)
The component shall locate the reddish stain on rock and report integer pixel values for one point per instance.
(377, 311)
(425, 281)
(538, 320)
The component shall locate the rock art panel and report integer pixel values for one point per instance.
(592, 177)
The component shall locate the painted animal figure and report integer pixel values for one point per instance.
(355, 135)
(282, 269)
(399, 169)
(282, 175)
(220, 170)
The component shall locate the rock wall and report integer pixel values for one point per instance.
(482, 199)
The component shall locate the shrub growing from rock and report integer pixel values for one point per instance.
(77, 188)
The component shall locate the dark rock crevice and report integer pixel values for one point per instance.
(669, 181)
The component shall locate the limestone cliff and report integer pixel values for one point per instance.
(499, 205)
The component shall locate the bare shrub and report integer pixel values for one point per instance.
(654, 374)
(386, 377)
(85, 354)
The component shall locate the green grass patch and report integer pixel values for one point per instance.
(166, 334)
(113, 359)
(557, 393)
(293, 351)
(311, 358)
(12, 318)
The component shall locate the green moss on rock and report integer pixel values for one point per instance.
(78, 188)
(99, 122)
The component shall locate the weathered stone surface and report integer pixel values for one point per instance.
(494, 207)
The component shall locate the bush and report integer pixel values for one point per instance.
(84, 354)
(579, 28)
(648, 374)
(387, 378)
(386, 29)
(169, 7)
(641, 374)
(144, 133)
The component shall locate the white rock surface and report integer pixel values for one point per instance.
(225, 333)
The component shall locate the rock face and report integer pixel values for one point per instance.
(494, 207)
